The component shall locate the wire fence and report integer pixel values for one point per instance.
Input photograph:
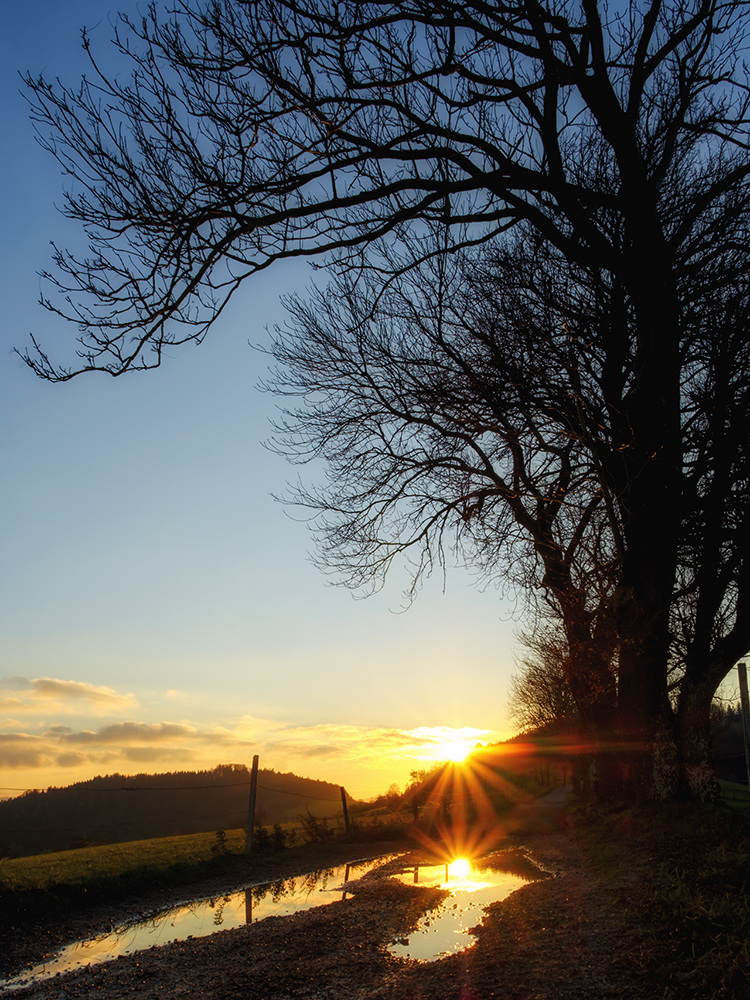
(168, 821)
(180, 788)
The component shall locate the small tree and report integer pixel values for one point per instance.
(540, 696)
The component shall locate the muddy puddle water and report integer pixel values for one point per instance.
(472, 886)
(202, 917)
(441, 931)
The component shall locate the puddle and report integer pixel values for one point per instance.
(440, 932)
(472, 886)
(202, 917)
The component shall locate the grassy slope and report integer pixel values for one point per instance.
(67, 881)
(71, 881)
(682, 876)
(89, 866)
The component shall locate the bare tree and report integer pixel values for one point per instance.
(253, 130)
(442, 431)
(540, 697)
(711, 604)
(708, 618)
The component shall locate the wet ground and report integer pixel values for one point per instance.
(552, 938)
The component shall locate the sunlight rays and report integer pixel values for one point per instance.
(463, 808)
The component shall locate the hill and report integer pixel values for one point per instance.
(118, 807)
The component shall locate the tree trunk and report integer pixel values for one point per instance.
(650, 498)
(697, 777)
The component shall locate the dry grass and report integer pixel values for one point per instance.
(682, 877)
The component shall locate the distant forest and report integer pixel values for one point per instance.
(121, 807)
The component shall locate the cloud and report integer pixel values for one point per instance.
(321, 751)
(51, 694)
(442, 734)
(71, 759)
(113, 746)
(13, 705)
(119, 733)
(14, 682)
(126, 741)
(20, 750)
(59, 754)
(144, 755)
(364, 745)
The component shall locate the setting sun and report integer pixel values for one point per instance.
(442, 743)
(455, 750)
(459, 868)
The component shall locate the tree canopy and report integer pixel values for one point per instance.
(252, 130)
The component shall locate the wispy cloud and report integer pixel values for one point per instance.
(169, 743)
(119, 733)
(160, 755)
(354, 743)
(49, 694)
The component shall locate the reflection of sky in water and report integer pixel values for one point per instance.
(443, 930)
(440, 931)
(201, 918)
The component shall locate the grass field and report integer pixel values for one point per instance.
(735, 795)
(89, 865)
(67, 880)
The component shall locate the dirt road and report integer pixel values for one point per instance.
(555, 939)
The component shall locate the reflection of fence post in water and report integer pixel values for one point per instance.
(248, 906)
(346, 876)
(346, 811)
(251, 806)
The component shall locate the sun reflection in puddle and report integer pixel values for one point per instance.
(472, 886)
(202, 917)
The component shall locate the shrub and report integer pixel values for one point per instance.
(316, 830)
(219, 845)
(261, 839)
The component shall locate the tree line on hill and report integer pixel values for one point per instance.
(117, 808)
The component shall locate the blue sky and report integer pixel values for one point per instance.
(158, 610)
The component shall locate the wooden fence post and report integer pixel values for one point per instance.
(346, 811)
(251, 806)
(745, 717)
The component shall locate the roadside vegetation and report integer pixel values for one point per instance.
(681, 877)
